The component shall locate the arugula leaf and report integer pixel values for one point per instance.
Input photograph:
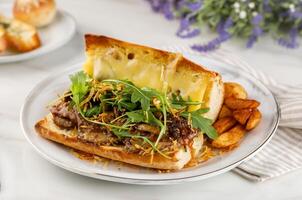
(137, 95)
(144, 116)
(125, 104)
(136, 116)
(200, 122)
(153, 120)
(179, 103)
(79, 86)
(95, 110)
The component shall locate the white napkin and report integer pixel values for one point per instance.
(283, 154)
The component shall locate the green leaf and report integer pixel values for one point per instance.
(95, 110)
(136, 116)
(153, 120)
(200, 122)
(144, 116)
(79, 86)
(126, 104)
(137, 95)
(178, 102)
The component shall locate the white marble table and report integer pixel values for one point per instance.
(23, 173)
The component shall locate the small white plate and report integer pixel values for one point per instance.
(34, 109)
(53, 36)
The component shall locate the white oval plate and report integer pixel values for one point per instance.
(53, 36)
(34, 109)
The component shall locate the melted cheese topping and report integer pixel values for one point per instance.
(112, 63)
(104, 63)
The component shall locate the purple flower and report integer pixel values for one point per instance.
(257, 19)
(194, 6)
(185, 31)
(188, 34)
(168, 10)
(180, 4)
(296, 15)
(266, 6)
(156, 5)
(163, 6)
(224, 35)
(257, 31)
(292, 42)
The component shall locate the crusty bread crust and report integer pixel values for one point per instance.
(45, 128)
(22, 37)
(37, 13)
(100, 41)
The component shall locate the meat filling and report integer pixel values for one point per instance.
(67, 117)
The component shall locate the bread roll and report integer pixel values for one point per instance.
(22, 37)
(35, 12)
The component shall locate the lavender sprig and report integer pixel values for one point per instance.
(250, 19)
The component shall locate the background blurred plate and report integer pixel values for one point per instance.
(53, 36)
(34, 109)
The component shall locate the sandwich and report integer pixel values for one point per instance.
(137, 105)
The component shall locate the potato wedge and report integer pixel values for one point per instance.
(225, 112)
(230, 137)
(224, 124)
(254, 119)
(242, 115)
(236, 104)
(235, 90)
(3, 43)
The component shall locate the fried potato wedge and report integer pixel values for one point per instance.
(230, 137)
(225, 112)
(3, 42)
(235, 90)
(224, 124)
(242, 115)
(254, 119)
(236, 104)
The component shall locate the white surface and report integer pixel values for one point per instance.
(47, 90)
(53, 36)
(23, 173)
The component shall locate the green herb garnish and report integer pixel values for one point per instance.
(80, 86)
(137, 105)
(200, 122)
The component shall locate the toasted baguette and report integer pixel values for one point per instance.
(47, 129)
(145, 66)
(22, 37)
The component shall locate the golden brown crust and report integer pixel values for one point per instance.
(22, 36)
(93, 41)
(37, 13)
(22, 45)
(3, 40)
(114, 153)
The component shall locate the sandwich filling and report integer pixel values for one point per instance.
(140, 120)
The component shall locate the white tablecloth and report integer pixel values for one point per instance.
(23, 173)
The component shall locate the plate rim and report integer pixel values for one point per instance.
(39, 52)
(141, 181)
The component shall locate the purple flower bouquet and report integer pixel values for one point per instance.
(247, 19)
